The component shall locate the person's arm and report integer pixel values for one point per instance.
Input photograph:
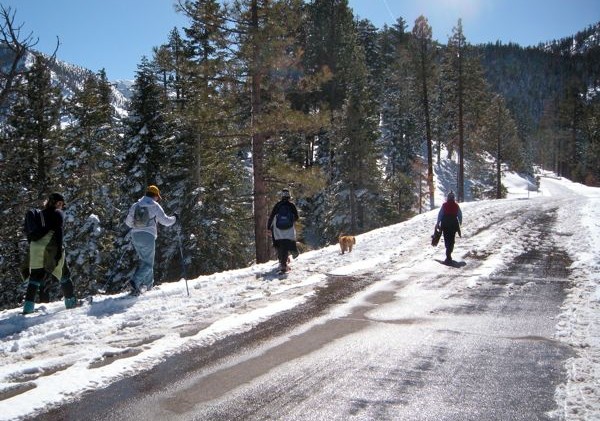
(162, 217)
(459, 216)
(295, 212)
(273, 212)
(440, 215)
(129, 218)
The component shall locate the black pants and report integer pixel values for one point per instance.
(449, 238)
(41, 280)
(284, 248)
(450, 227)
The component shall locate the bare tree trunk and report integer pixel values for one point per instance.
(353, 210)
(499, 124)
(428, 134)
(258, 140)
(461, 132)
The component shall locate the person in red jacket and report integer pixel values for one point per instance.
(449, 221)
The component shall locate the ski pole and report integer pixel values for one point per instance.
(183, 271)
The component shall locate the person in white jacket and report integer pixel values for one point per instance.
(143, 217)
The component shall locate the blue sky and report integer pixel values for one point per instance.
(115, 34)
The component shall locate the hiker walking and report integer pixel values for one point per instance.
(143, 217)
(449, 220)
(281, 225)
(44, 229)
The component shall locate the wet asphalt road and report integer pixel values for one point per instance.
(487, 354)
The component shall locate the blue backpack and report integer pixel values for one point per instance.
(285, 218)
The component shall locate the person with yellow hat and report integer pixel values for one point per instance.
(142, 218)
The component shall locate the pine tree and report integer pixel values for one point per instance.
(570, 121)
(217, 207)
(456, 54)
(359, 179)
(353, 201)
(423, 59)
(465, 93)
(591, 132)
(268, 61)
(498, 132)
(35, 122)
(400, 141)
(90, 176)
(330, 38)
(28, 153)
(141, 158)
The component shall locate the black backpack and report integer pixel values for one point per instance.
(35, 225)
(285, 217)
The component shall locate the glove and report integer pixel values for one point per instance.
(176, 215)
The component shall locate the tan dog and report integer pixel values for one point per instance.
(346, 243)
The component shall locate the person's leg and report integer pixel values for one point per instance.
(37, 273)
(44, 290)
(282, 255)
(448, 243)
(36, 278)
(67, 287)
(144, 244)
(68, 292)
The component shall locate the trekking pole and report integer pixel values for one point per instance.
(183, 270)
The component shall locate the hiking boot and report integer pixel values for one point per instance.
(70, 302)
(28, 307)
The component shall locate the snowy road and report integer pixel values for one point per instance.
(510, 335)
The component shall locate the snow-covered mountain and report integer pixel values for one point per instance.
(581, 43)
(70, 78)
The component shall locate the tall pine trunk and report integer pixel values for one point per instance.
(429, 141)
(461, 130)
(258, 140)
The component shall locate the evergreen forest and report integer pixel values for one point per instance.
(252, 96)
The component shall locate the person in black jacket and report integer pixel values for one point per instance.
(46, 257)
(281, 224)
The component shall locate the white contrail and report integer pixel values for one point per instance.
(387, 6)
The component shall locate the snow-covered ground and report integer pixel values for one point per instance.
(54, 355)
